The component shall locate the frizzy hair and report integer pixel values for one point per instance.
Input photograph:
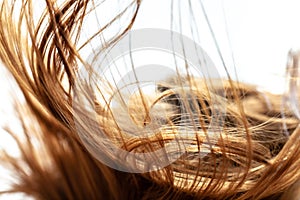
(257, 155)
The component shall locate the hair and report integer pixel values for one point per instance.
(255, 156)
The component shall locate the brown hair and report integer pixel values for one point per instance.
(256, 156)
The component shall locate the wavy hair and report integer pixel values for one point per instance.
(256, 155)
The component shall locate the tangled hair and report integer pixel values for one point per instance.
(255, 156)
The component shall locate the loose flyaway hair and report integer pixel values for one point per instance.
(253, 152)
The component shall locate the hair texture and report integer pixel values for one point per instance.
(256, 155)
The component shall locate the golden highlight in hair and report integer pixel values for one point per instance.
(255, 155)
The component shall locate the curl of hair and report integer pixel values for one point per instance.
(257, 155)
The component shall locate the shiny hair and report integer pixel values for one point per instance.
(256, 155)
